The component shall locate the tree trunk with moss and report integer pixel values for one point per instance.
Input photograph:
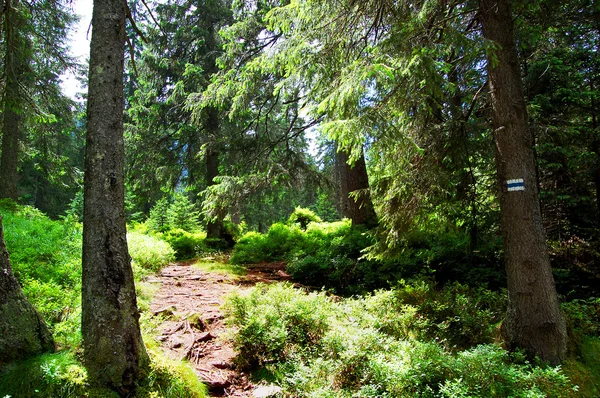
(355, 200)
(114, 353)
(22, 330)
(534, 320)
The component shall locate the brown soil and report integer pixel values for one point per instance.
(190, 299)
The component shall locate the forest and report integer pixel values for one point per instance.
(301, 198)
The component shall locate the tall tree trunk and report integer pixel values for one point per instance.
(354, 178)
(14, 69)
(214, 228)
(114, 353)
(534, 320)
(596, 147)
(22, 330)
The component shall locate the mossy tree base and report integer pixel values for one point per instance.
(23, 332)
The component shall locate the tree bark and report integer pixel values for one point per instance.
(22, 330)
(354, 178)
(534, 320)
(14, 70)
(114, 353)
(214, 228)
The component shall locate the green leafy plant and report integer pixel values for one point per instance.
(381, 345)
(303, 217)
(186, 244)
(149, 252)
(276, 322)
(275, 245)
(46, 259)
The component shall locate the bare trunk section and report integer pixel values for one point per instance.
(22, 330)
(14, 67)
(354, 178)
(534, 320)
(214, 228)
(114, 353)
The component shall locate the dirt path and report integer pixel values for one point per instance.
(190, 299)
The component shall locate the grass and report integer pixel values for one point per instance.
(584, 370)
(46, 258)
(221, 268)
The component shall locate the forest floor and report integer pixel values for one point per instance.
(189, 299)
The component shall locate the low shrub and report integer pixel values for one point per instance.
(186, 244)
(584, 368)
(447, 255)
(46, 259)
(583, 315)
(302, 217)
(47, 375)
(329, 255)
(313, 345)
(149, 252)
(459, 316)
(63, 375)
(275, 245)
(334, 258)
(276, 322)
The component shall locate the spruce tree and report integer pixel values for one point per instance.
(114, 353)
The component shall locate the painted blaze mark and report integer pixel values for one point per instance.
(515, 185)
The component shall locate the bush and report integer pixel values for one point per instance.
(186, 244)
(327, 255)
(149, 252)
(302, 217)
(448, 256)
(334, 258)
(47, 375)
(276, 322)
(46, 259)
(456, 316)
(314, 346)
(584, 315)
(63, 375)
(275, 245)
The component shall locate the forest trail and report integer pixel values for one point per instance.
(190, 299)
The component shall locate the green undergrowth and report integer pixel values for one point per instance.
(348, 260)
(45, 256)
(61, 375)
(185, 244)
(337, 256)
(46, 259)
(412, 340)
(324, 254)
(148, 252)
(583, 368)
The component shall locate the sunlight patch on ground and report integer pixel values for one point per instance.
(220, 268)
